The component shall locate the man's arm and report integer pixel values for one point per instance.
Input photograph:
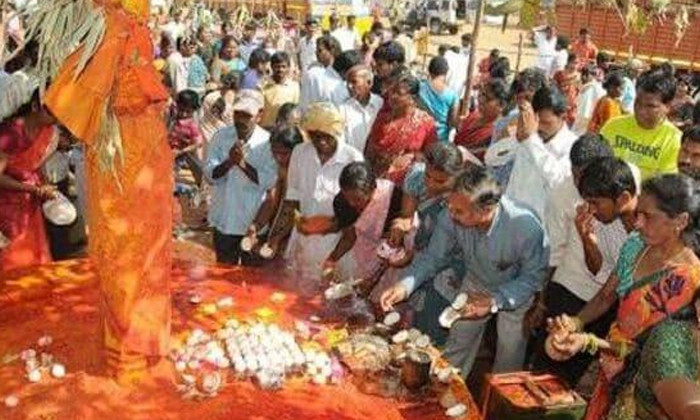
(534, 259)
(435, 257)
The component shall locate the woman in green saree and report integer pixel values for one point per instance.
(667, 385)
(657, 275)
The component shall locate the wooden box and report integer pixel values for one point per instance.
(526, 396)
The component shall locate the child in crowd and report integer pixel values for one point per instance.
(185, 136)
(282, 143)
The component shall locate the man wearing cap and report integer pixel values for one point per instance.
(240, 163)
(313, 182)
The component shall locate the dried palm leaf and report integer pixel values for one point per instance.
(61, 27)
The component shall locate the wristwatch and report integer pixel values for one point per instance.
(494, 307)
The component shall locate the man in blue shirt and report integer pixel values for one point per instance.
(505, 257)
(240, 163)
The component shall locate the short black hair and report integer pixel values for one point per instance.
(589, 70)
(607, 178)
(467, 38)
(499, 90)
(285, 112)
(438, 66)
(613, 79)
(588, 148)
(358, 176)
(445, 157)
(392, 52)
(529, 79)
(584, 31)
(257, 57)
(696, 113)
(225, 41)
(409, 81)
(330, 43)
(188, 99)
(692, 134)
(345, 61)
(500, 68)
(288, 137)
(231, 80)
(562, 42)
(280, 57)
(549, 97)
(182, 41)
(658, 82)
(480, 184)
(602, 58)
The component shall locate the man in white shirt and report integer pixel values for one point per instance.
(313, 182)
(176, 28)
(307, 45)
(320, 82)
(561, 55)
(542, 156)
(591, 92)
(347, 36)
(361, 109)
(595, 232)
(545, 42)
(240, 162)
(457, 63)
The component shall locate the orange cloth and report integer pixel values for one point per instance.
(606, 109)
(130, 209)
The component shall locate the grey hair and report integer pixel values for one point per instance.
(479, 183)
(364, 71)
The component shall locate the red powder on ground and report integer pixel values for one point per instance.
(61, 300)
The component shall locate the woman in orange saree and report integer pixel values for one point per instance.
(116, 106)
(26, 140)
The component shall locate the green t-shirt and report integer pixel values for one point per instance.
(653, 151)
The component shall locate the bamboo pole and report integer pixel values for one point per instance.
(472, 56)
(520, 53)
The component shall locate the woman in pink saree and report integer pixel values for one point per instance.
(26, 140)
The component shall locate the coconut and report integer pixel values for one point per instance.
(456, 411)
(34, 376)
(58, 370)
(11, 401)
(392, 318)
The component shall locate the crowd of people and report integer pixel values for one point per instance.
(562, 199)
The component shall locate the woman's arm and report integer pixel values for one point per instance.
(454, 120)
(269, 207)
(45, 192)
(679, 398)
(409, 205)
(344, 245)
(601, 302)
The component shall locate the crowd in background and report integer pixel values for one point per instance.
(560, 198)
